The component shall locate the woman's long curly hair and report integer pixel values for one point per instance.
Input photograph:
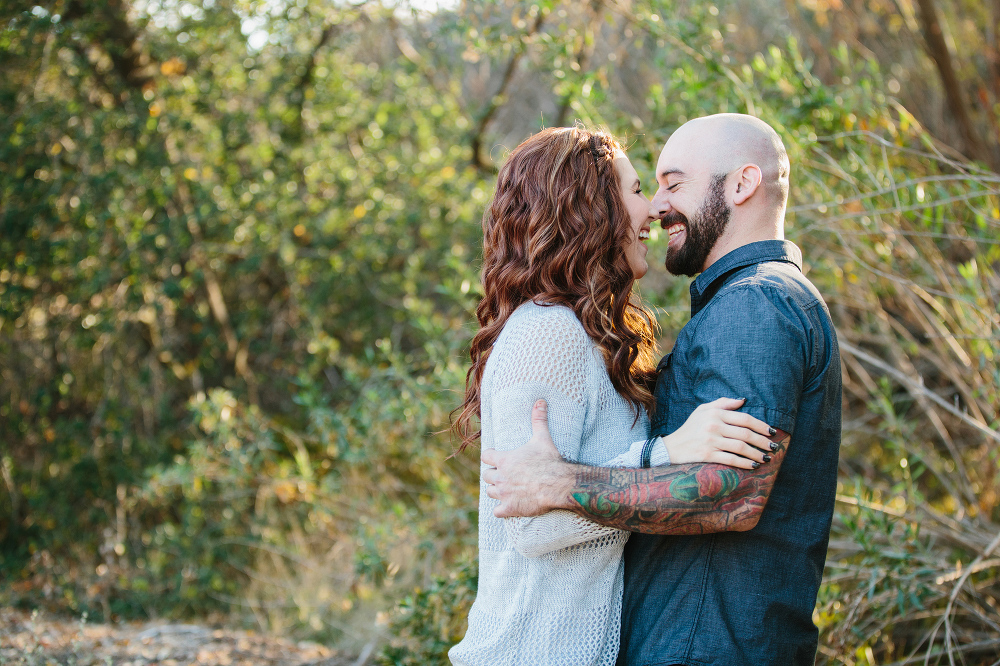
(556, 232)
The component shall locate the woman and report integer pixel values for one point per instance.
(563, 245)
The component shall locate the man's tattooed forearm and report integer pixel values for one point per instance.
(678, 499)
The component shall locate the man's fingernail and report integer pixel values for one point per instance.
(774, 447)
(743, 399)
(767, 458)
(541, 403)
(771, 431)
(756, 464)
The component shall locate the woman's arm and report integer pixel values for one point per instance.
(715, 432)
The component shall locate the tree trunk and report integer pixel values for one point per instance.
(938, 50)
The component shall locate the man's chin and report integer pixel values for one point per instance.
(679, 265)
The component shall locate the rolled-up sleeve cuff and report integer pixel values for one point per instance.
(772, 417)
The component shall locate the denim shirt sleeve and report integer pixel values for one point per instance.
(751, 343)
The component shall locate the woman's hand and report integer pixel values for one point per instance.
(716, 433)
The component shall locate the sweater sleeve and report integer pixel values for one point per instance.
(548, 357)
(633, 456)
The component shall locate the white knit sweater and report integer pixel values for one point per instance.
(550, 587)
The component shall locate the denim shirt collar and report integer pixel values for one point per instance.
(706, 284)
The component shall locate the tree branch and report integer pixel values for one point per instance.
(583, 56)
(493, 105)
(994, 47)
(407, 50)
(938, 50)
(109, 28)
(293, 130)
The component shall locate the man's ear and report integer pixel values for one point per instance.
(748, 178)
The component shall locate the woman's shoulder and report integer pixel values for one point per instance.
(546, 326)
(546, 314)
(543, 344)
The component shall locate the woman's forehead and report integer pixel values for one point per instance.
(625, 169)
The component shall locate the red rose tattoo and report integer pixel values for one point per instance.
(697, 498)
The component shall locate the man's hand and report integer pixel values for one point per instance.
(532, 479)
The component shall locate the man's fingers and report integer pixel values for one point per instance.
(509, 477)
(540, 420)
(500, 511)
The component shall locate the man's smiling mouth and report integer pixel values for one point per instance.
(675, 230)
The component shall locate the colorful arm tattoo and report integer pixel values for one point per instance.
(697, 498)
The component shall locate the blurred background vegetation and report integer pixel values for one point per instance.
(239, 247)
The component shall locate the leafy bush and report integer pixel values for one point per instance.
(238, 255)
(430, 621)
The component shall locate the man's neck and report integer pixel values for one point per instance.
(743, 232)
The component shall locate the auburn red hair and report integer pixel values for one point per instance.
(556, 232)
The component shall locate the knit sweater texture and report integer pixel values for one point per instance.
(550, 586)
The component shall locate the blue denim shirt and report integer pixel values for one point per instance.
(759, 330)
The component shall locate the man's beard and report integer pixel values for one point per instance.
(702, 232)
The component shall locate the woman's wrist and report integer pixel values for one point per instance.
(660, 454)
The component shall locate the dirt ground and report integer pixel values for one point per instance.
(39, 640)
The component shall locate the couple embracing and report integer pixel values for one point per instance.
(671, 513)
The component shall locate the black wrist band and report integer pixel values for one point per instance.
(647, 451)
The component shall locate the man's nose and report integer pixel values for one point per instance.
(658, 206)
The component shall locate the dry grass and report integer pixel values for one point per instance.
(912, 240)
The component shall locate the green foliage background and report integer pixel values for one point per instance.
(238, 269)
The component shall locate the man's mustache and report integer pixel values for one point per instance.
(673, 217)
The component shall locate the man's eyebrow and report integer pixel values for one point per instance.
(670, 172)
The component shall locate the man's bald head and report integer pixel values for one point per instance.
(724, 142)
(723, 183)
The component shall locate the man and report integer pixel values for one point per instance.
(713, 577)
